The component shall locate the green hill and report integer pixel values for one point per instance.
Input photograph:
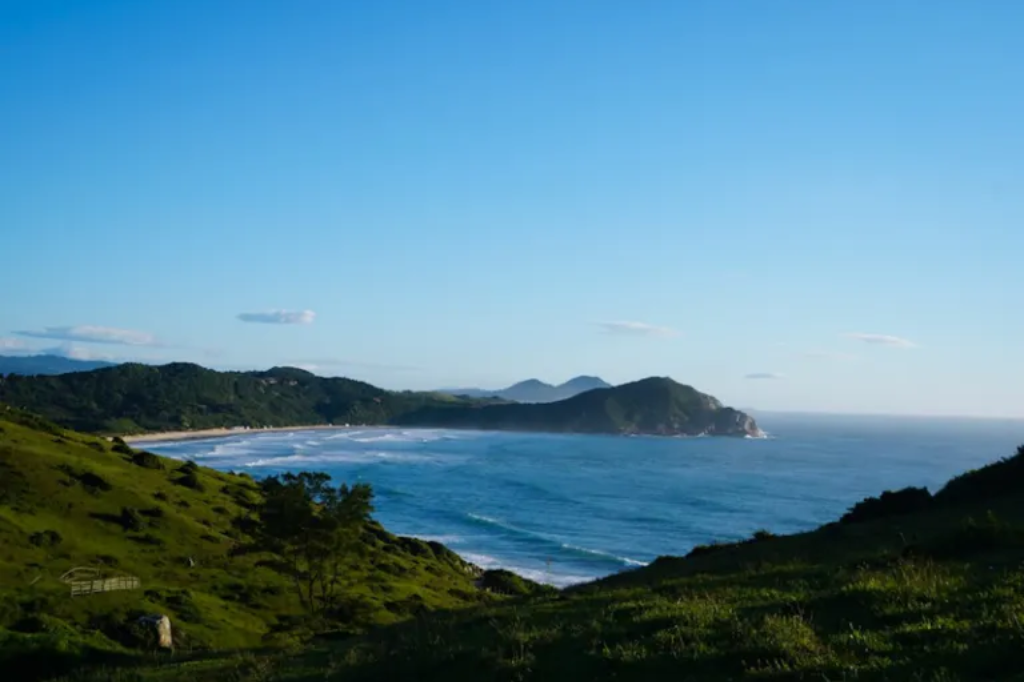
(68, 500)
(907, 587)
(134, 398)
(656, 405)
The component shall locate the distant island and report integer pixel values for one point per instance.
(534, 390)
(653, 406)
(134, 399)
(31, 365)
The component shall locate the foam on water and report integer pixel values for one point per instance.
(565, 509)
(337, 458)
(535, 574)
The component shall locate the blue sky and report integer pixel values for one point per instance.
(790, 205)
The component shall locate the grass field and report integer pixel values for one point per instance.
(911, 587)
(69, 500)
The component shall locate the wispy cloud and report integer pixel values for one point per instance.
(765, 375)
(12, 345)
(882, 340)
(829, 355)
(624, 328)
(279, 317)
(94, 334)
(75, 351)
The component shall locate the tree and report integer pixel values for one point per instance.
(313, 527)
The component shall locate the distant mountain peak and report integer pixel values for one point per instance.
(531, 383)
(585, 383)
(537, 391)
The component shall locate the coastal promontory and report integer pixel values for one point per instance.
(652, 406)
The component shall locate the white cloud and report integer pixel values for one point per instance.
(765, 375)
(882, 340)
(280, 317)
(73, 352)
(77, 352)
(623, 328)
(13, 345)
(94, 334)
(829, 355)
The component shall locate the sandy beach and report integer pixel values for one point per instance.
(219, 433)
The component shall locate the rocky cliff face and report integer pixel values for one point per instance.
(731, 422)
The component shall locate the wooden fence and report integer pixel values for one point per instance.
(83, 587)
(86, 580)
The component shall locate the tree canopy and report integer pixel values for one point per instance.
(312, 526)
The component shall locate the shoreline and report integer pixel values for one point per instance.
(224, 432)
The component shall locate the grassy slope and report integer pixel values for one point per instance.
(934, 595)
(224, 601)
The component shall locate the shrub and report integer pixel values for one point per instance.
(189, 467)
(148, 539)
(182, 604)
(131, 519)
(121, 447)
(1005, 477)
(147, 460)
(92, 482)
(95, 482)
(889, 504)
(46, 538)
(191, 480)
(703, 550)
(973, 537)
(501, 581)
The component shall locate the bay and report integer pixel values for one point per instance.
(568, 508)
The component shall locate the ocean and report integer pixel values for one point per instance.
(563, 509)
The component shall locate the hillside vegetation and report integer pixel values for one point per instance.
(656, 405)
(135, 398)
(902, 590)
(187, 533)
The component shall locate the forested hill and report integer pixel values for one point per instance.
(134, 398)
(656, 406)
